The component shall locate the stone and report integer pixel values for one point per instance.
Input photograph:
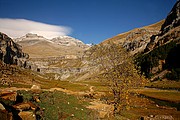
(9, 96)
(27, 115)
(2, 107)
(10, 52)
(35, 87)
(22, 106)
(157, 117)
(5, 115)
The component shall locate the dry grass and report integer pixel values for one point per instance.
(122, 37)
(164, 84)
(46, 49)
(166, 95)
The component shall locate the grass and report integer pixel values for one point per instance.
(98, 86)
(172, 96)
(21, 85)
(59, 105)
(165, 84)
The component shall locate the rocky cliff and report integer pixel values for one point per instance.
(170, 30)
(137, 39)
(162, 52)
(10, 52)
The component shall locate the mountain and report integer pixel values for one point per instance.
(155, 47)
(169, 30)
(136, 40)
(40, 47)
(11, 52)
(162, 52)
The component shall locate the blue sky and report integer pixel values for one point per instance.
(91, 21)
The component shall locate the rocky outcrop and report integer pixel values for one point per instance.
(136, 40)
(10, 52)
(69, 41)
(162, 52)
(173, 19)
(170, 30)
(17, 109)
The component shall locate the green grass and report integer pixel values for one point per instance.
(59, 105)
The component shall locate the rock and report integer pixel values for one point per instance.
(25, 106)
(170, 30)
(26, 115)
(11, 52)
(22, 106)
(173, 19)
(35, 87)
(5, 115)
(36, 98)
(9, 96)
(2, 107)
(157, 117)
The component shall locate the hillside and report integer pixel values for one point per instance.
(40, 47)
(162, 52)
(136, 40)
(11, 52)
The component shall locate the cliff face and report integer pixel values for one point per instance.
(170, 30)
(136, 40)
(10, 52)
(162, 52)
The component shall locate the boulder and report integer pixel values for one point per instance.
(35, 87)
(5, 115)
(22, 106)
(25, 106)
(9, 96)
(27, 115)
(157, 117)
(2, 107)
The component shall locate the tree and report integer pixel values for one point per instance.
(118, 69)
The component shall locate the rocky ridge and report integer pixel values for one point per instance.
(61, 40)
(11, 52)
(160, 57)
(137, 39)
(170, 30)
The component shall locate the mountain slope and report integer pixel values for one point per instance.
(40, 47)
(136, 40)
(10, 52)
(162, 52)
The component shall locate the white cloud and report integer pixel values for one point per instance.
(19, 27)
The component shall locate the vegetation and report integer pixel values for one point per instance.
(118, 69)
(167, 52)
(164, 84)
(58, 105)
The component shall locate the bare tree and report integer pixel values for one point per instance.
(119, 71)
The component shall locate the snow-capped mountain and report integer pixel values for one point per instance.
(39, 46)
(68, 41)
(29, 36)
(61, 40)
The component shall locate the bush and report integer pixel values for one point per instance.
(147, 61)
(174, 75)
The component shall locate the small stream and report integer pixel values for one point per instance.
(161, 88)
(163, 102)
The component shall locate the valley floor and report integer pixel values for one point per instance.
(94, 97)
